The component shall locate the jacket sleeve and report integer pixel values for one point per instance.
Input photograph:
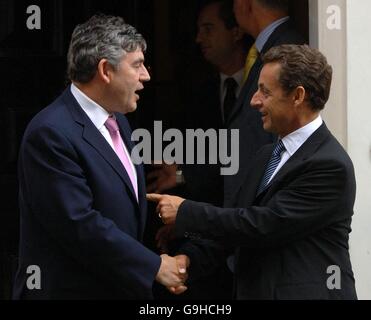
(319, 196)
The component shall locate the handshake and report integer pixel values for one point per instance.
(173, 273)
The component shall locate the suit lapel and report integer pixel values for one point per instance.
(215, 88)
(304, 152)
(252, 180)
(126, 136)
(92, 136)
(246, 91)
(259, 170)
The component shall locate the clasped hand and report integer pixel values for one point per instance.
(173, 273)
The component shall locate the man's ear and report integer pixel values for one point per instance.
(105, 71)
(298, 96)
(244, 5)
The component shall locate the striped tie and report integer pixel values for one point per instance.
(272, 165)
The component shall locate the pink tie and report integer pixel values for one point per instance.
(114, 131)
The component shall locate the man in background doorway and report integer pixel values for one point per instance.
(208, 104)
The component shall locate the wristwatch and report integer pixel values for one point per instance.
(179, 177)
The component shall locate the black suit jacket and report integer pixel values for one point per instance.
(203, 111)
(248, 120)
(287, 237)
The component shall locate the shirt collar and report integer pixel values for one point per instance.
(97, 114)
(263, 37)
(296, 139)
(238, 76)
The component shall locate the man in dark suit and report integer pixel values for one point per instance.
(295, 207)
(82, 199)
(224, 46)
(267, 21)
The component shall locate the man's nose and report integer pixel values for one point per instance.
(145, 75)
(199, 37)
(255, 101)
(198, 40)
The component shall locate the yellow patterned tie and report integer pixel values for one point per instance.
(251, 58)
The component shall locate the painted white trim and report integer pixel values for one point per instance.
(348, 112)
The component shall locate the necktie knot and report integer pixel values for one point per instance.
(280, 147)
(111, 125)
(231, 85)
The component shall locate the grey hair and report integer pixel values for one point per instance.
(101, 37)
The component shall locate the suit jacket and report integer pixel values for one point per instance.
(203, 111)
(287, 237)
(80, 221)
(248, 120)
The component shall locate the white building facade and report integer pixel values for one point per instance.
(341, 29)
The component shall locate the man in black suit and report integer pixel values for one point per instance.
(292, 227)
(267, 21)
(224, 46)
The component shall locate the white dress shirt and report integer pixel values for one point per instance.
(295, 140)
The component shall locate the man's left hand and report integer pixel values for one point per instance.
(167, 206)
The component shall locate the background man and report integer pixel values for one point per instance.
(296, 203)
(82, 200)
(207, 105)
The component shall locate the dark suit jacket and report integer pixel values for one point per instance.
(248, 120)
(80, 220)
(285, 238)
(203, 111)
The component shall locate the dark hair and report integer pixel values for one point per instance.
(303, 66)
(101, 37)
(226, 13)
(282, 5)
